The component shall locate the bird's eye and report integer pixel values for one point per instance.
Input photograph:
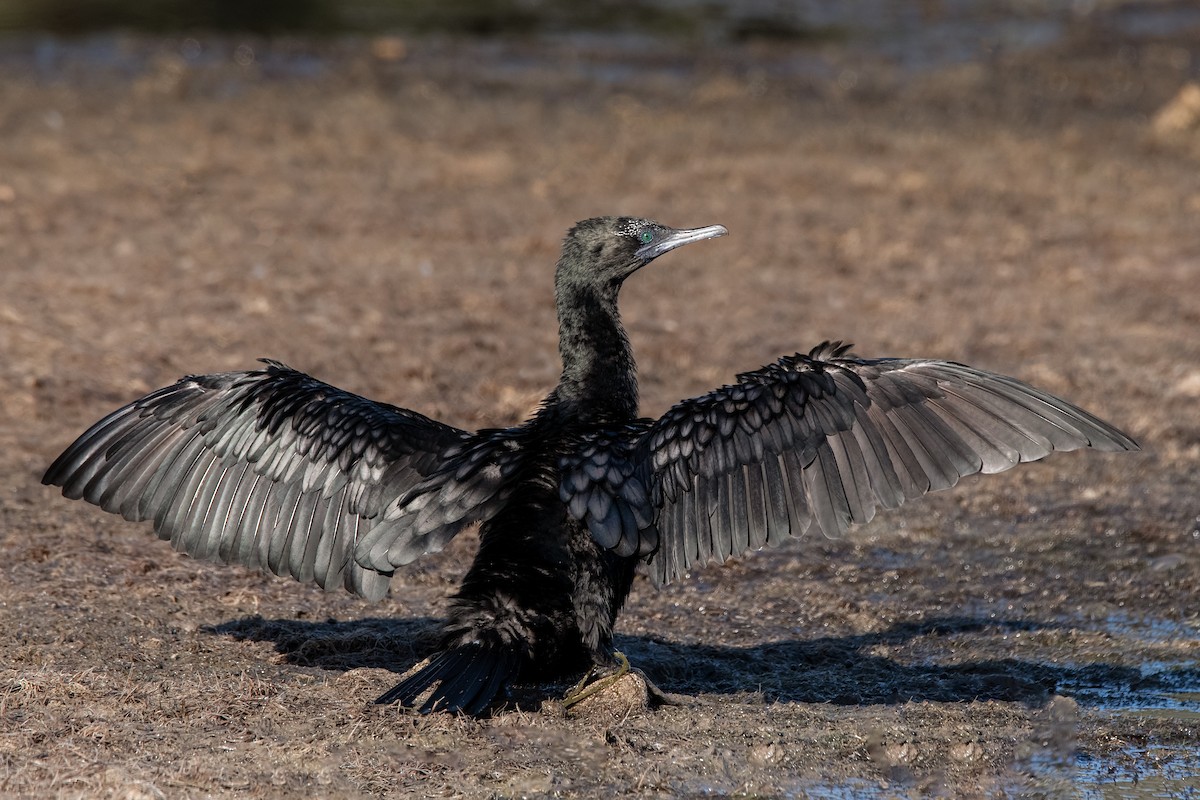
(647, 237)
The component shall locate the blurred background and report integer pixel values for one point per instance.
(911, 32)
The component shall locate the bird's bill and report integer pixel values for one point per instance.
(678, 238)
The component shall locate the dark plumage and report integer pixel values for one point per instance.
(276, 470)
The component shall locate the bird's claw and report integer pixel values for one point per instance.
(591, 684)
(584, 690)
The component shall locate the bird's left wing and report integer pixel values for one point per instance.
(276, 470)
(824, 438)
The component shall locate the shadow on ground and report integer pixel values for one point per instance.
(838, 670)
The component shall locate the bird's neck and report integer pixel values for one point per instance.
(599, 378)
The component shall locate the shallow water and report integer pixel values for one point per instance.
(1164, 690)
(1153, 772)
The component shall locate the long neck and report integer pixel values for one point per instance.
(599, 377)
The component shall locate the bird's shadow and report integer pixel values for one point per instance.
(840, 670)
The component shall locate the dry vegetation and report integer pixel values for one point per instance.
(391, 227)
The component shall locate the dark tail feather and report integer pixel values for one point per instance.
(463, 679)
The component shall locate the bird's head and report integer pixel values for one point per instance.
(604, 251)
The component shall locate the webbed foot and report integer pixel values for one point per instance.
(599, 678)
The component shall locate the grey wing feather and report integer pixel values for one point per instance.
(826, 439)
(273, 469)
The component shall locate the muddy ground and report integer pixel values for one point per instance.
(387, 219)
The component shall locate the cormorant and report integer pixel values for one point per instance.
(273, 469)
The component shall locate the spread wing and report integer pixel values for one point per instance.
(276, 470)
(824, 438)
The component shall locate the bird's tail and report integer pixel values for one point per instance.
(465, 678)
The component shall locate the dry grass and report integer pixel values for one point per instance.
(391, 228)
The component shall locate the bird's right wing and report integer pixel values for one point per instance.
(276, 470)
(824, 438)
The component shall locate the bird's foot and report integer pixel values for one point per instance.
(599, 679)
(584, 689)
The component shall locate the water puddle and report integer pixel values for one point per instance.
(1152, 772)
(1155, 697)
(1168, 691)
(1148, 771)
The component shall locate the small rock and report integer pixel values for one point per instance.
(966, 752)
(628, 694)
(1181, 114)
(900, 753)
(765, 755)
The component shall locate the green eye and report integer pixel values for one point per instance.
(647, 237)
